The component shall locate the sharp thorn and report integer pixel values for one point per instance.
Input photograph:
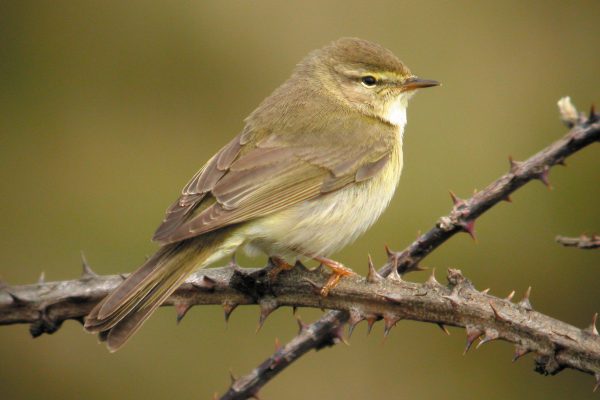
(431, 280)
(592, 330)
(338, 335)
(87, 270)
(277, 344)
(208, 283)
(388, 252)
(597, 376)
(392, 297)
(182, 309)
(298, 266)
(370, 322)
(42, 278)
(469, 227)
(355, 317)
(485, 291)
(16, 299)
(507, 198)
(316, 288)
(444, 329)
(543, 176)
(408, 265)
(453, 197)
(525, 302)
(415, 268)
(453, 297)
(205, 283)
(373, 276)
(394, 276)
(228, 307)
(520, 351)
(232, 377)
(592, 116)
(267, 306)
(514, 165)
(301, 325)
(457, 201)
(389, 322)
(351, 330)
(496, 312)
(489, 335)
(510, 296)
(473, 334)
(294, 310)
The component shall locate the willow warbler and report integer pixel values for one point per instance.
(313, 168)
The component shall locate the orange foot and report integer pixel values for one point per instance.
(280, 265)
(337, 271)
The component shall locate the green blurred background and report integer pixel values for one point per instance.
(107, 108)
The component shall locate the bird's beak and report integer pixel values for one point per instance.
(413, 83)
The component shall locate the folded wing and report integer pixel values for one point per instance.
(259, 174)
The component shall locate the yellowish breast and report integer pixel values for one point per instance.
(324, 225)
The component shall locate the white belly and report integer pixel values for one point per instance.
(320, 227)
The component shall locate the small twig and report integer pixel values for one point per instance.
(581, 242)
(584, 131)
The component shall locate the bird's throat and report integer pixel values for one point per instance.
(394, 111)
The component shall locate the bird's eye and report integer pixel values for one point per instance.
(368, 81)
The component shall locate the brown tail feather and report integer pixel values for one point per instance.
(127, 296)
(126, 327)
(133, 283)
(122, 313)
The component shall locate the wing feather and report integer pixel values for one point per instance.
(250, 178)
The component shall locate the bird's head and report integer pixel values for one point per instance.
(365, 76)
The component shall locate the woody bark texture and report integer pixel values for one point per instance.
(381, 295)
(46, 305)
(584, 131)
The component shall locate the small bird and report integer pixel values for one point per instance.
(313, 168)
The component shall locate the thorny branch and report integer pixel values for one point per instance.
(559, 345)
(582, 242)
(379, 296)
(584, 131)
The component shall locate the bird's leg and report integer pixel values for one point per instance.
(279, 265)
(337, 271)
